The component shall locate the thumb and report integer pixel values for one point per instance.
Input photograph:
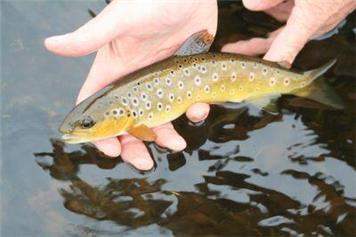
(260, 5)
(290, 41)
(91, 36)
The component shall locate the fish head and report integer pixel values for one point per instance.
(94, 120)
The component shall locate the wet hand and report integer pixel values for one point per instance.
(305, 19)
(129, 35)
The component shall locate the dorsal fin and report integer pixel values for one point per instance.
(197, 43)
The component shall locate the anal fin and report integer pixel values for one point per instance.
(267, 103)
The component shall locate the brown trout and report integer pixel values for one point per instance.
(161, 92)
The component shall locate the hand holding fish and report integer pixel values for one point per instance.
(143, 102)
(305, 20)
(128, 35)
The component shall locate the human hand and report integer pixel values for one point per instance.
(129, 35)
(306, 19)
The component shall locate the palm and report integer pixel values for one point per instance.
(151, 36)
(149, 32)
(304, 20)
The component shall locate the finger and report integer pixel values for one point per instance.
(103, 71)
(260, 5)
(110, 147)
(281, 12)
(198, 112)
(92, 35)
(252, 47)
(293, 37)
(168, 137)
(135, 153)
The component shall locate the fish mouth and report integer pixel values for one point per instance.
(75, 139)
(72, 139)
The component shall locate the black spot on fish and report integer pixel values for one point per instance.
(124, 101)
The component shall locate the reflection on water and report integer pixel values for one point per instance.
(246, 185)
(244, 172)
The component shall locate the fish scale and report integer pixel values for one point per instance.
(161, 92)
(211, 78)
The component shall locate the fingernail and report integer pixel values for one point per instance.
(142, 163)
(204, 115)
(110, 147)
(201, 115)
(55, 39)
(111, 153)
(175, 144)
(180, 144)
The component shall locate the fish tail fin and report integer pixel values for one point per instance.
(315, 73)
(319, 90)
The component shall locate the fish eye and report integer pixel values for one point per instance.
(87, 122)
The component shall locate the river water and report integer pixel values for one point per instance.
(244, 172)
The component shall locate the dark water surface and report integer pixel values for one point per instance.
(244, 172)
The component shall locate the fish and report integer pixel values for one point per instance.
(163, 91)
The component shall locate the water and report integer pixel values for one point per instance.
(244, 172)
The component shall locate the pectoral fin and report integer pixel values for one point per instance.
(267, 104)
(143, 133)
(199, 42)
